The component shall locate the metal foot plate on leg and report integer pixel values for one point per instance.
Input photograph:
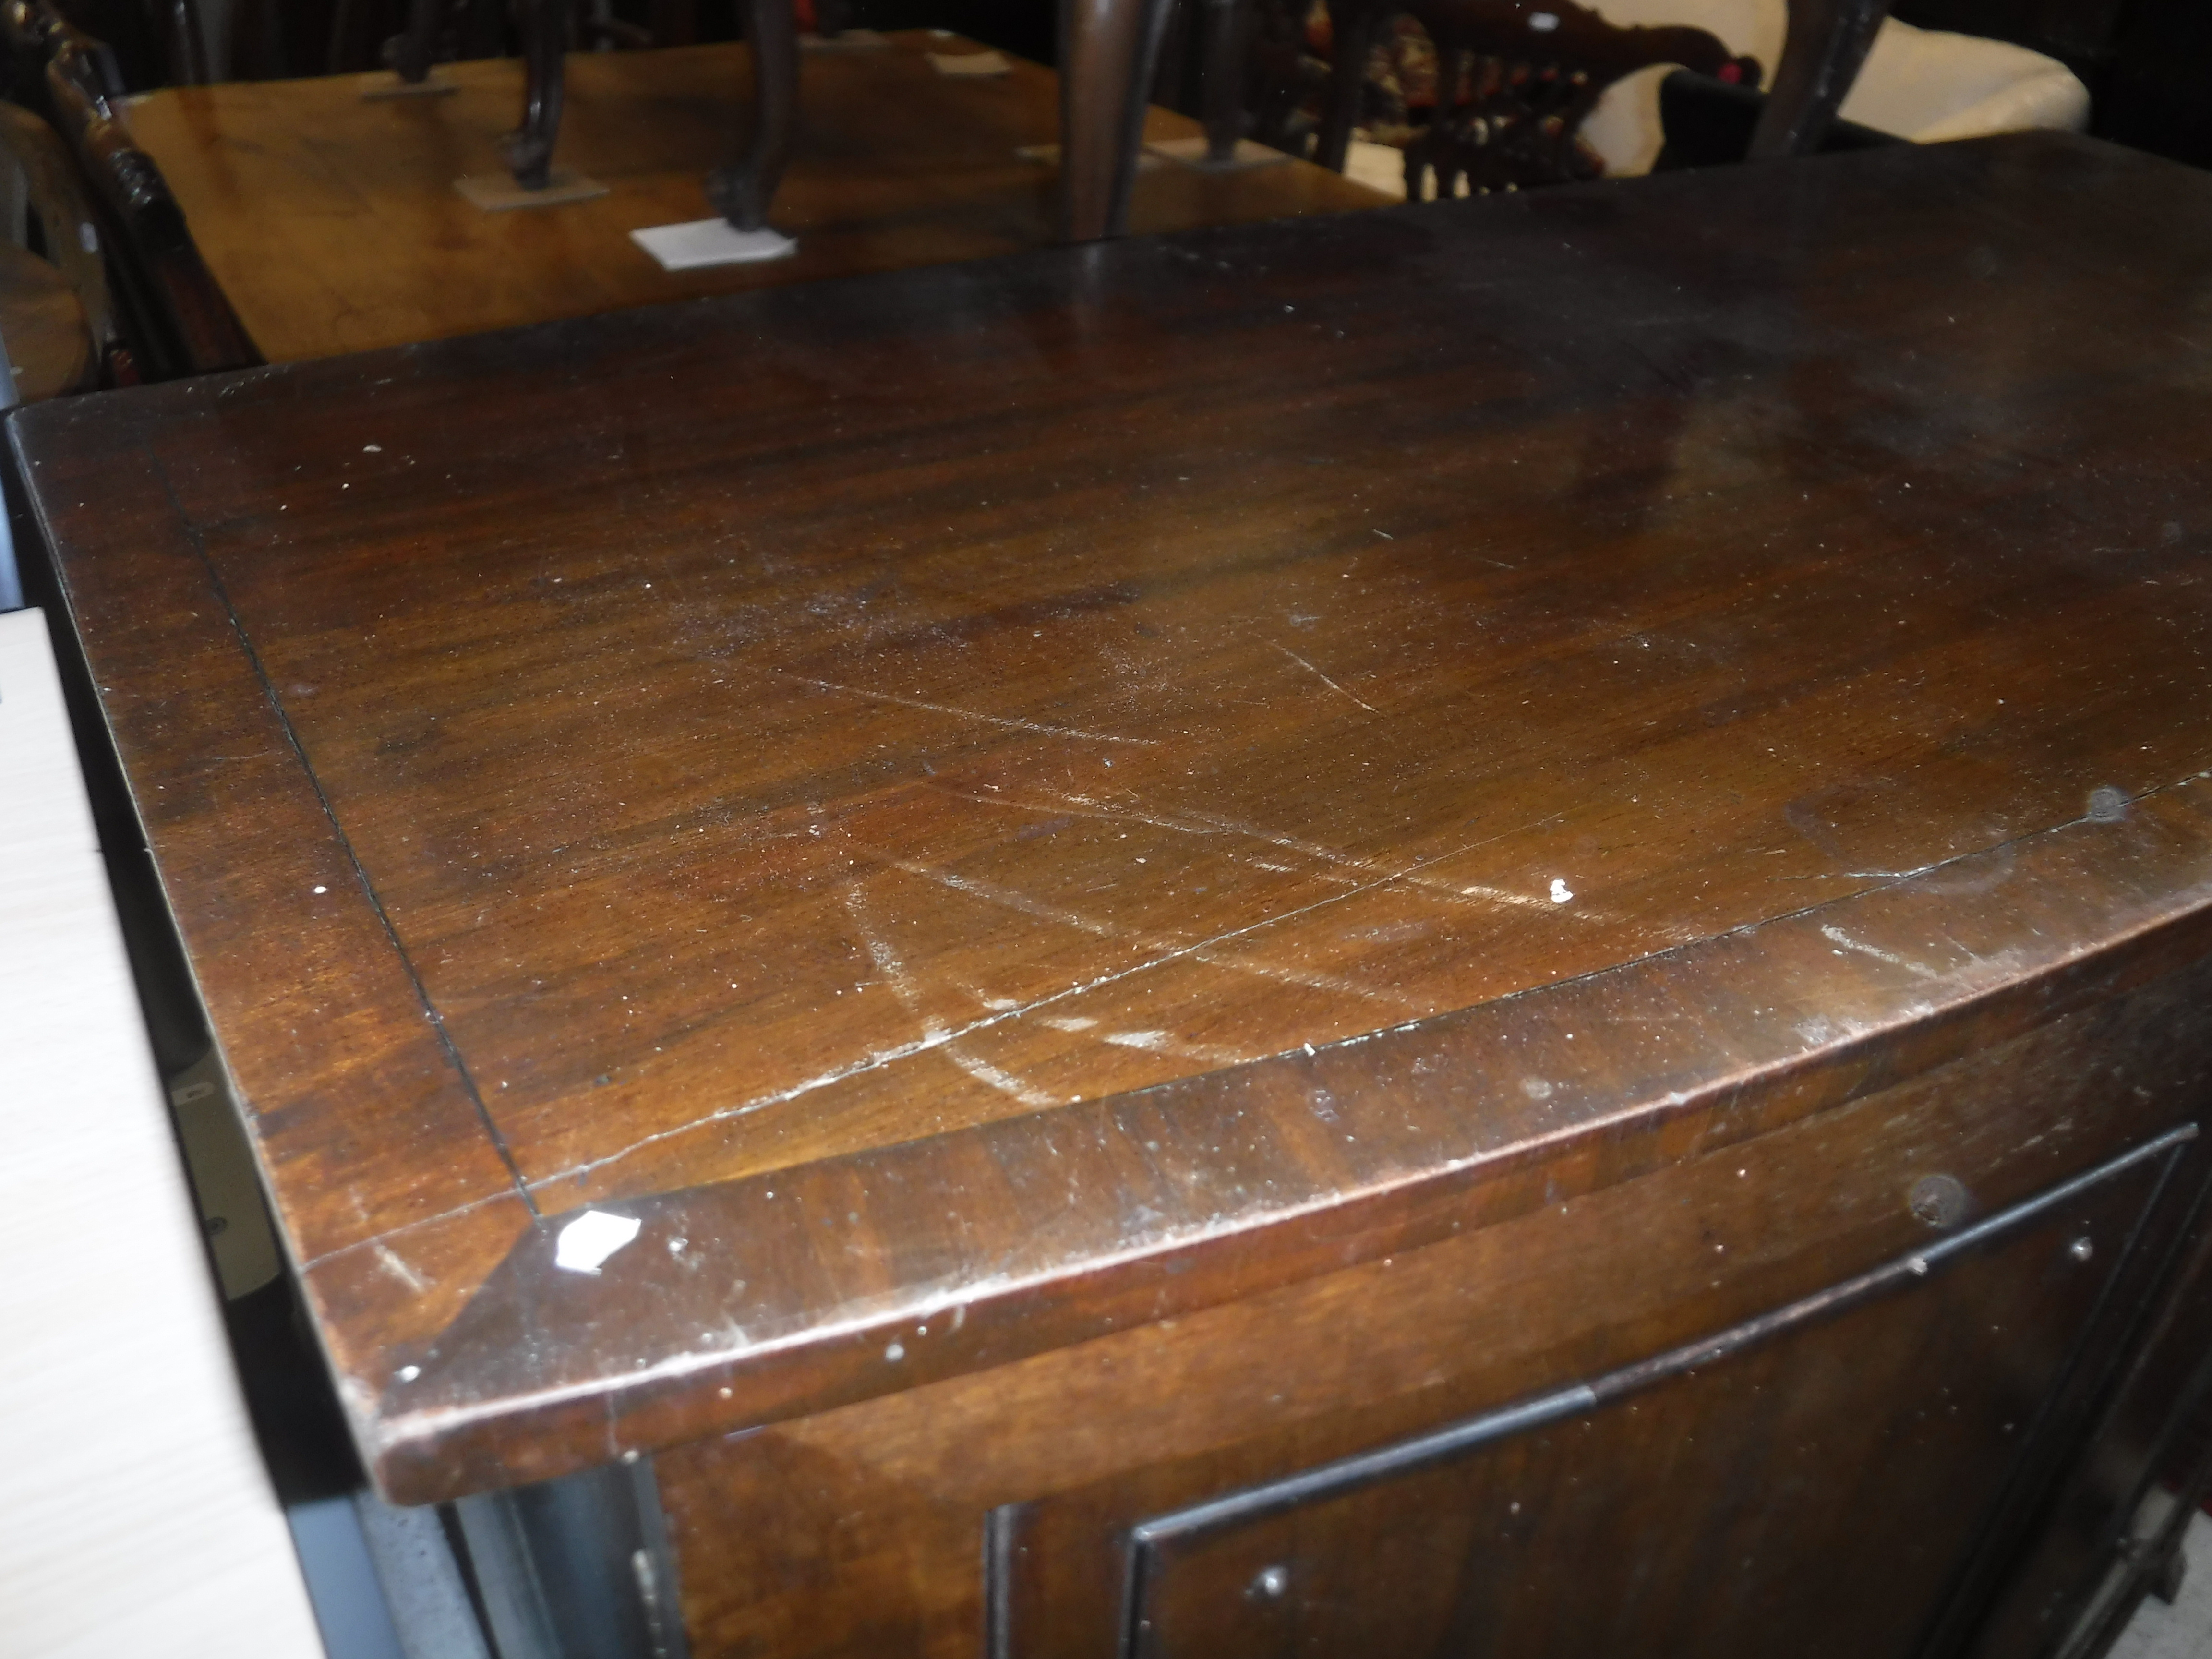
(497, 192)
(384, 83)
(1191, 152)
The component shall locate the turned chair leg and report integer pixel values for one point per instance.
(529, 148)
(1828, 39)
(744, 189)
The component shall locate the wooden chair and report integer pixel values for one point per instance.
(1535, 69)
(42, 330)
(57, 314)
(1516, 78)
(155, 43)
(1828, 41)
(1705, 123)
(173, 318)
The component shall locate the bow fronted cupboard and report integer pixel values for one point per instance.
(1481, 929)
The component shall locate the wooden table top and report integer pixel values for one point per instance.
(991, 802)
(332, 225)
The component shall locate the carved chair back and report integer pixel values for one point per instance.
(44, 210)
(1516, 78)
(174, 319)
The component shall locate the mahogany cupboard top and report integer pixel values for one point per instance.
(988, 804)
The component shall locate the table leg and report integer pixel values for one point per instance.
(410, 54)
(744, 189)
(1351, 24)
(529, 148)
(1828, 39)
(1107, 50)
(1228, 43)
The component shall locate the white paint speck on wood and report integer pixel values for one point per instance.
(583, 1245)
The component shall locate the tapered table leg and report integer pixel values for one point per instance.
(744, 189)
(1107, 50)
(1351, 24)
(410, 54)
(1828, 39)
(529, 148)
(1227, 44)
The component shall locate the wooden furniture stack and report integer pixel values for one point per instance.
(1479, 928)
(332, 225)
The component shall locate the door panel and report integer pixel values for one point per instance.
(1807, 1483)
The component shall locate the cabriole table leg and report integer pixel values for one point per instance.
(529, 148)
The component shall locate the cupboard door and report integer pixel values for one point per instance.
(1809, 1482)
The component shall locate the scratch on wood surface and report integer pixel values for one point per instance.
(1161, 1042)
(1322, 678)
(1082, 806)
(1195, 822)
(1838, 936)
(1454, 893)
(877, 1060)
(393, 1263)
(1004, 1082)
(993, 893)
(506, 1194)
(970, 1289)
(894, 975)
(970, 713)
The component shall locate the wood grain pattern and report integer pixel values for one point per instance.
(1769, 1462)
(1037, 796)
(881, 1505)
(332, 224)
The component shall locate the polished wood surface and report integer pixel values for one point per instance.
(880, 1505)
(992, 804)
(332, 225)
